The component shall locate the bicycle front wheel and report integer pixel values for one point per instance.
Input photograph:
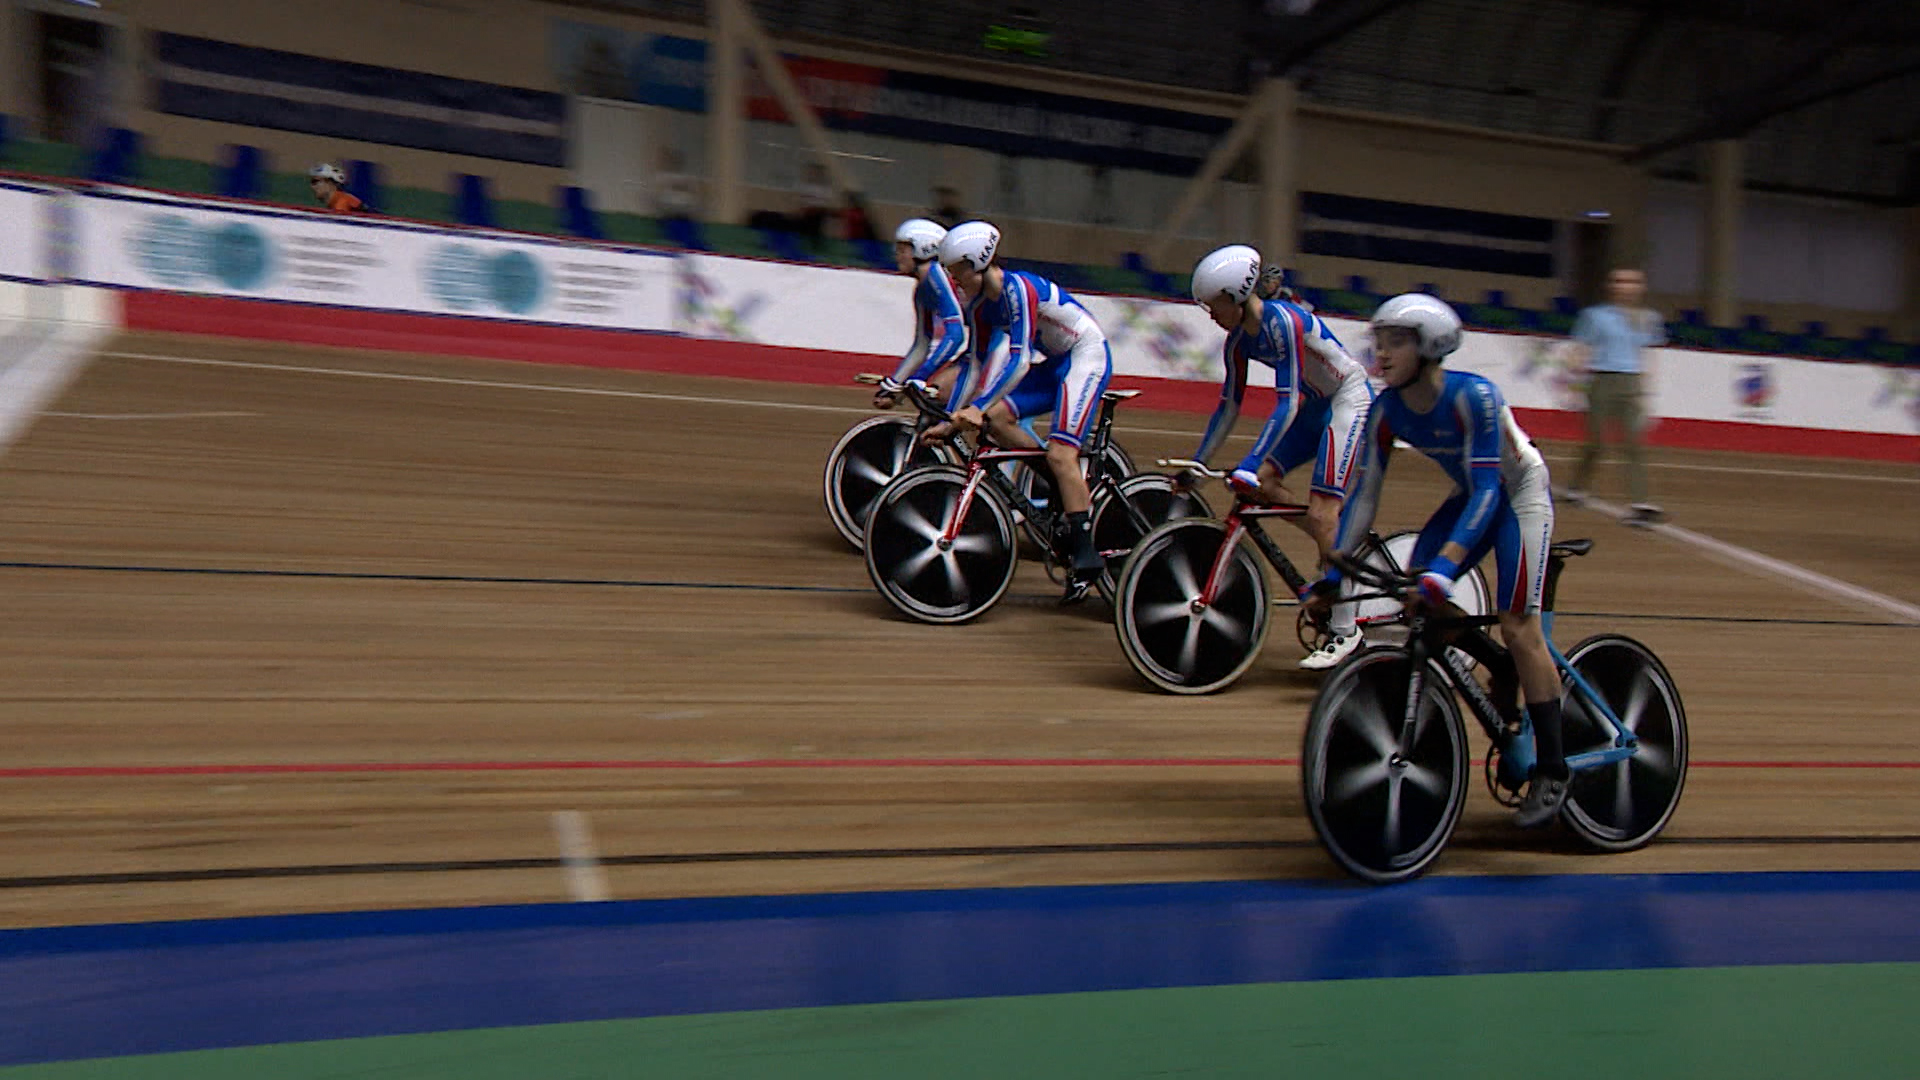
(924, 576)
(1382, 814)
(1170, 638)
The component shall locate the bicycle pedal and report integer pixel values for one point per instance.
(1511, 798)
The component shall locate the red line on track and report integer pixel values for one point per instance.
(356, 767)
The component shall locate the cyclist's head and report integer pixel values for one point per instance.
(1273, 283)
(1411, 331)
(1222, 281)
(326, 178)
(967, 251)
(917, 240)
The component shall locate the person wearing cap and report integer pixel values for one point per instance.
(330, 189)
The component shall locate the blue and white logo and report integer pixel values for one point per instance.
(516, 284)
(168, 249)
(457, 277)
(239, 256)
(465, 278)
(177, 252)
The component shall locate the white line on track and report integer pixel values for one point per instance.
(1754, 562)
(144, 416)
(1721, 550)
(586, 878)
(1878, 478)
(648, 395)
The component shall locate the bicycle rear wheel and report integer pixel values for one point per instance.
(1115, 530)
(1379, 618)
(865, 460)
(1383, 816)
(924, 579)
(1622, 806)
(1176, 646)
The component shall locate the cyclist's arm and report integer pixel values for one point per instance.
(909, 366)
(1479, 407)
(1233, 390)
(1286, 405)
(1356, 517)
(952, 332)
(1008, 356)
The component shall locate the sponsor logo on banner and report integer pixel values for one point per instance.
(467, 278)
(143, 242)
(1900, 389)
(1754, 390)
(1549, 364)
(181, 253)
(1161, 340)
(707, 311)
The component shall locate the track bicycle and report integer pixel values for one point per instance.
(1191, 605)
(1385, 760)
(941, 540)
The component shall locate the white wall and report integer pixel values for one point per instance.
(1793, 250)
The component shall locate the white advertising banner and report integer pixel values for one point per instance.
(146, 243)
(796, 307)
(142, 241)
(26, 232)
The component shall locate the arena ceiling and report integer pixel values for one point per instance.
(1825, 95)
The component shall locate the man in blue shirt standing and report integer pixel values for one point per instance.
(1609, 339)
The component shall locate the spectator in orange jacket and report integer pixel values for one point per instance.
(329, 186)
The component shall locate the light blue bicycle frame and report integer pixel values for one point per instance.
(1624, 741)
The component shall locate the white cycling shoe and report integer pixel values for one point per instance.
(1336, 648)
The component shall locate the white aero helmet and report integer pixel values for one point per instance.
(1432, 320)
(970, 242)
(327, 171)
(1233, 270)
(922, 236)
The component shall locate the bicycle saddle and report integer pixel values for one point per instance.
(1563, 549)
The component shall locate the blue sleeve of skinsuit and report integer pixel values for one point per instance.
(945, 312)
(1233, 391)
(1478, 405)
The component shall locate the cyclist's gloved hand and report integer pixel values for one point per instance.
(1435, 588)
(1245, 479)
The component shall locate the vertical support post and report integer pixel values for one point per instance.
(1720, 279)
(1245, 128)
(1280, 177)
(726, 116)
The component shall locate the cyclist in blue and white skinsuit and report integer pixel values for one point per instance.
(1034, 351)
(1319, 412)
(1501, 503)
(939, 326)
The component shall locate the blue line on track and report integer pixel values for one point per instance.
(146, 988)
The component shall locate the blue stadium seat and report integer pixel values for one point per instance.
(118, 160)
(576, 213)
(682, 233)
(244, 176)
(363, 179)
(471, 204)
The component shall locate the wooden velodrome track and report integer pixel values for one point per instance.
(473, 595)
